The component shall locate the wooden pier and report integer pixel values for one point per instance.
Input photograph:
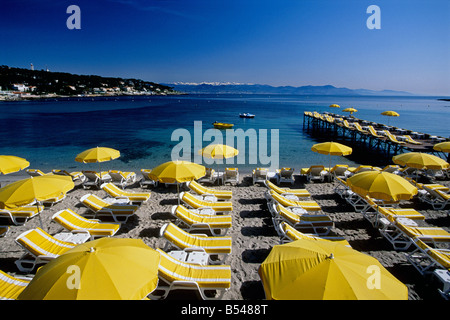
(370, 138)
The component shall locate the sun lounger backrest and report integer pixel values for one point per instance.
(441, 256)
(288, 215)
(231, 172)
(339, 169)
(425, 233)
(91, 175)
(183, 239)
(72, 221)
(192, 201)
(94, 202)
(442, 194)
(197, 187)
(38, 242)
(35, 172)
(190, 218)
(214, 276)
(280, 199)
(112, 189)
(11, 287)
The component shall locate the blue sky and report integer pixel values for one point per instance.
(283, 42)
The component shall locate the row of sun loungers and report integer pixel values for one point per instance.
(294, 221)
(188, 261)
(200, 242)
(401, 139)
(406, 228)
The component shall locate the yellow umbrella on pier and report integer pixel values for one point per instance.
(334, 105)
(351, 110)
(442, 147)
(390, 114)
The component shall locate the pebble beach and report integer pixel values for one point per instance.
(252, 232)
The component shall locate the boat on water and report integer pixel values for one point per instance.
(221, 125)
(246, 115)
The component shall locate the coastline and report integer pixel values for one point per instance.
(86, 96)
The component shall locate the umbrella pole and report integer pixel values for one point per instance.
(178, 191)
(39, 215)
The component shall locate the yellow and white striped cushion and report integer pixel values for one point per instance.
(38, 242)
(73, 221)
(209, 276)
(183, 240)
(213, 221)
(11, 287)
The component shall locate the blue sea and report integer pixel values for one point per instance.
(146, 129)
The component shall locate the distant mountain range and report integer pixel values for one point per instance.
(239, 88)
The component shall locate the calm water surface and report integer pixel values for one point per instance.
(50, 134)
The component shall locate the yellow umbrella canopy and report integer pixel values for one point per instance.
(390, 114)
(334, 105)
(9, 164)
(420, 160)
(332, 148)
(325, 270)
(442, 147)
(26, 191)
(98, 154)
(218, 151)
(177, 171)
(351, 110)
(103, 269)
(382, 185)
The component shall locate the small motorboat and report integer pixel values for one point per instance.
(246, 115)
(221, 125)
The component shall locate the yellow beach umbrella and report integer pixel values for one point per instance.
(351, 110)
(382, 185)
(420, 160)
(98, 154)
(390, 114)
(218, 151)
(177, 171)
(334, 105)
(9, 164)
(332, 148)
(325, 270)
(442, 147)
(103, 269)
(26, 191)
